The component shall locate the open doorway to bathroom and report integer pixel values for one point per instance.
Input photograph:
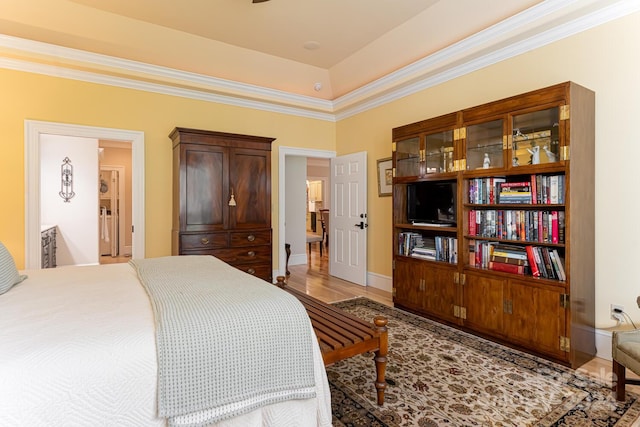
(114, 194)
(76, 220)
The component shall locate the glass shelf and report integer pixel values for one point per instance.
(536, 138)
(485, 145)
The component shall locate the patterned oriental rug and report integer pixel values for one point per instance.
(440, 376)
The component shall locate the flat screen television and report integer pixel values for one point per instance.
(432, 202)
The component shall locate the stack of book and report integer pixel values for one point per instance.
(514, 192)
(546, 263)
(425, 249)
(407, 241)
(509, 259)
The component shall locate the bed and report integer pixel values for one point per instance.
(78, 347)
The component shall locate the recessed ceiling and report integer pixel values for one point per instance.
(349, 43)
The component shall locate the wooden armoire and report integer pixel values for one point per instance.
(222, 198)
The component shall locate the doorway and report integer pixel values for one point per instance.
(34, 130)
(296, 228)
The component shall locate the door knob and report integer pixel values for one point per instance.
(362, 225)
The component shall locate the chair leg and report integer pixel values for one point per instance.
(619, 380)
(320, 243)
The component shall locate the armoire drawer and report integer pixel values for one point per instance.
(254, 254)
(203, 241)
(250, 238)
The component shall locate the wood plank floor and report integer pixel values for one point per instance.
(314, 280)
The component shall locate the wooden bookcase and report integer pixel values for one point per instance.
(450, 168)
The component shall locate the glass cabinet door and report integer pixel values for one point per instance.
(408, 157)
(484, 145)
(439, 156)
(535, 138)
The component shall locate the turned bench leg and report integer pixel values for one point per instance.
(380, 357)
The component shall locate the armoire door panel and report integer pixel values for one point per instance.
(205, 189)
(250, 182)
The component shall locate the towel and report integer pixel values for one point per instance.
(104, 235)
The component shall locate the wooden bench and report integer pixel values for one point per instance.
(342, 335)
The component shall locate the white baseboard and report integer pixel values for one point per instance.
(379, 281)
(298, 259)
(603, 344)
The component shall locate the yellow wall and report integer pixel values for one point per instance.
(605, 60)
(36, 97)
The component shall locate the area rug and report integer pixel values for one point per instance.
(440, 376)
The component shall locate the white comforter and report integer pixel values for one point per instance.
(77, 348)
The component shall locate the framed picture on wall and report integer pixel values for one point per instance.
(385, 177)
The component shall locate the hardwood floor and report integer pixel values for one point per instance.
(108, 259)
(314, 280)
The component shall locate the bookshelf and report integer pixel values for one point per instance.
(516, 264)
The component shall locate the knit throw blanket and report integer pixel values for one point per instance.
(227, 342)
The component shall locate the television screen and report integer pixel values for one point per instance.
(432, 203)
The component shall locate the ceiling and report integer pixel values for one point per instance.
(319, 55)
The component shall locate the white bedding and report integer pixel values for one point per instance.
(77, 348)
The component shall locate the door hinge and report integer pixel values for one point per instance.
(393, 292)
(565, 344)
(507, 306)
(564, 300)
(507, 142)
(456, 278)
(565, 112)
(463, 279)
(132, 230)
(393, 147)
(393, 172)
(564, 152)
(460, 312)
(460, 133)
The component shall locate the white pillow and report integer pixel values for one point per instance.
(8, 272)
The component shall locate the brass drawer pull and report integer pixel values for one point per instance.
(251, 271)
(251, 237)
(204, 241)
(251, 253)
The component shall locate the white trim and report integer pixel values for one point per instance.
(494, 44)
(380, 281)
(33, 130)
(282, 153)
(603, 344)
(164, 89)
(470, 62)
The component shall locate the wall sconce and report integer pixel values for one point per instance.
(66, 180)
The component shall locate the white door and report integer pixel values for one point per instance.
(115, 213)
(348, 218)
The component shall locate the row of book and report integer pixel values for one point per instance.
(538, 261)
(520, 225)
(539, 189)
(438, 248)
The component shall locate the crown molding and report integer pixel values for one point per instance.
(470, 64)
(502, 41)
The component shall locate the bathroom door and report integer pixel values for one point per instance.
(109, 211)
(115, 210)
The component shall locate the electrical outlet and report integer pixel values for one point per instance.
(617, 315)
